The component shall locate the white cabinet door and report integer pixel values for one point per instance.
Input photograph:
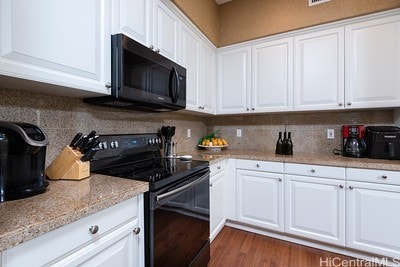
(132, 17)
(190, 59)
(118, 248)
(373, 218)
(217, 204)
(373, 63)
(260, 199)
(315, 208)
(234, 81)
(272, 75)
(207, 90)
(165, 31)
(319, 70)
(66, 43)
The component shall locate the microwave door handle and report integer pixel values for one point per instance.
(174, 93)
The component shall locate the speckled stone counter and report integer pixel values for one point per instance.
(64, 202)
(315, 159)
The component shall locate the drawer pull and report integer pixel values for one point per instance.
(313, 170)
(384, 177)
(136, 230)
(341, 186)
(351, 188)
(258, 165)
(211, 185)
(219, 167)
(280, 179)
(94, 229)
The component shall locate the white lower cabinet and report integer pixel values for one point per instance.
(217, 199)
(372, 211)
(260, 195)
(315, 208)
(111, 237)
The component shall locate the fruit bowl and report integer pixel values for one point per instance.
(213, 148)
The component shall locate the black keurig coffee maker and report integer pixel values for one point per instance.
(22, 160)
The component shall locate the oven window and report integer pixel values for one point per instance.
(181, 227)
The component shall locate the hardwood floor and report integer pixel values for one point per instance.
(233, 247)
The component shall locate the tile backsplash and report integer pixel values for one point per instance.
(62, 117)
(309, 130)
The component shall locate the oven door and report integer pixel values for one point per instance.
(177, 219)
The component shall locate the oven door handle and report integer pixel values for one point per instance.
(183, 188)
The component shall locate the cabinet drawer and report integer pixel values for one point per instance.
(70, 237)
(217, 167)
(259, 165)
(315, 170)
(373, 176)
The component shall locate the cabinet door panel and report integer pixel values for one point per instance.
(190, 49)
(260, 199)
(207, 89)
(217, 204)
(373, 63)
(234, 82)
(166, 31)
(272, 81)
(48, 46)
(132, 18)
(315, 208)
(373, 218)
(319, 70)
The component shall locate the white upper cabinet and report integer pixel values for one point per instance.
(373, 63)
(234, 82)
(272, 76)
(165, 31)
(132, 17)
(190, 59)
(151, 23)
(65, 43)
(319, 70)
(207, 91)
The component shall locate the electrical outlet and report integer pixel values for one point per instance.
(189, 133)
(238, 132)
(330, 134)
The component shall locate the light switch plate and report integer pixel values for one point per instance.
(189, 133)
(238, 132)
(330, 134)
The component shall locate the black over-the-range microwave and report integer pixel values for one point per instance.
(142, 79)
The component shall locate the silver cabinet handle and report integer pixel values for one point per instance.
(341, 186)
(313, 170)
(340, 104)
(157, 50)
(151, 47)
(349, 103)
(108, 85)
(94, 229)
(384, 177)
(247, 109)
(219, 167)
(351, 188)
(253, 109)
(258, 165)
(280, 179)
(211, 185)
(136, 230)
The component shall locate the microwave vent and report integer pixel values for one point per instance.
(316, 2)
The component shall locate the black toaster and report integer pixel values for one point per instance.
(383, 142)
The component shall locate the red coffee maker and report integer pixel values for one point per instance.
(353, 141)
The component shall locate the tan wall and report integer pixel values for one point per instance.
(242, 20)
(204, 14)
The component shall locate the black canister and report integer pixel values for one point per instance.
(3, 164)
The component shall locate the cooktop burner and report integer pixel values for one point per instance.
(138, 157)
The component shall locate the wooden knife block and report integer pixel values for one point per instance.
(68, 166)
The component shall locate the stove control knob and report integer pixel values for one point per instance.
(114, 144)
(104, 145)
(151, 141)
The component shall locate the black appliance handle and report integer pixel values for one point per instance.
(392, 153)
(174, 94)
(183, 188)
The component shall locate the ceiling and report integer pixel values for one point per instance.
(220, 2)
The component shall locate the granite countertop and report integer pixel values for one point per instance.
(63, 202)
(303, 158)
